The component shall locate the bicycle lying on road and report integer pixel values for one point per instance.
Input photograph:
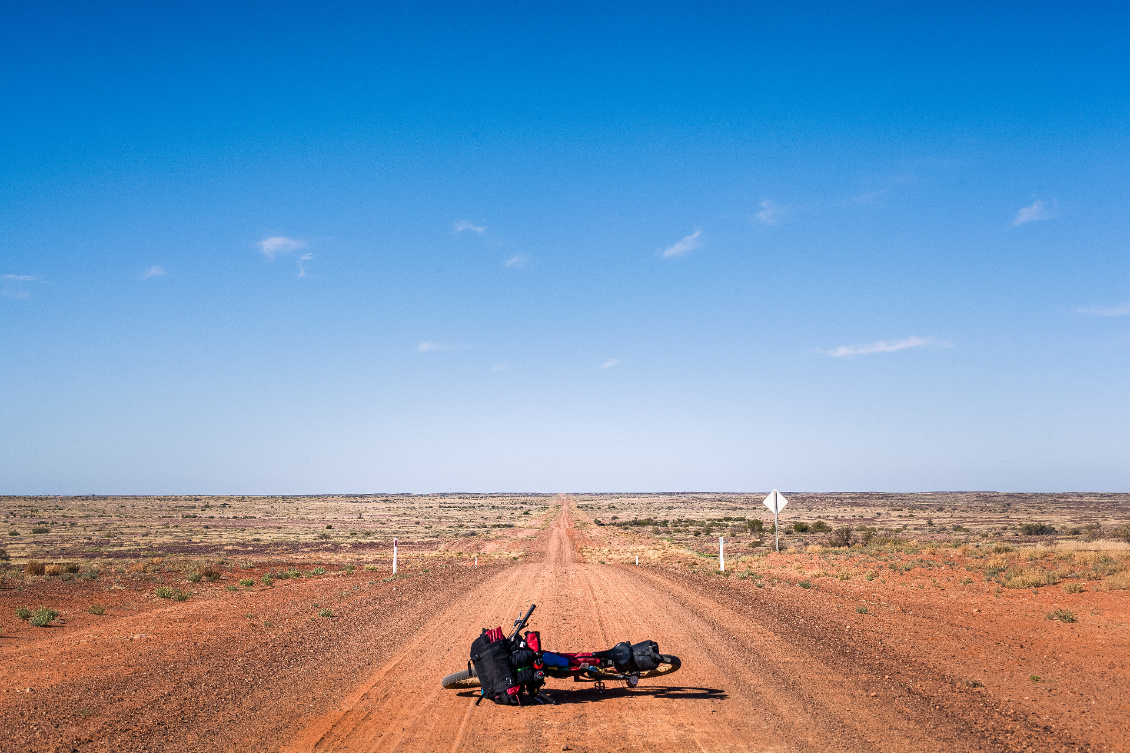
(508, 668)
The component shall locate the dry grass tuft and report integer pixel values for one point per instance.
(34, 567)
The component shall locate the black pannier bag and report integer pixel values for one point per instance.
(645, 655)
(492, 665)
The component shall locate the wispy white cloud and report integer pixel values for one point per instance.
(770, 213)
(10, 286)
(301, 266)
(1036, 212)
(517, 260)
(690, 243)
(882, 346)
(279, 244)
(429, 346)
(1122, 310)
(154, 272)
(462, 226)
(610, 363)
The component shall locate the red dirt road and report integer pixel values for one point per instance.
(763, 669)
(754, 678)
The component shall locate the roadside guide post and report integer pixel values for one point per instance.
(394, 556)
(776, 502)
(721, 554)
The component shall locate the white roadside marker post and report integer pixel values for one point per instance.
(394, 556)
(721, 554)
(637, 559)
(476, 560)
(776, 502)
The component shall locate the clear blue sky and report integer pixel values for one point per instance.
(276, 247)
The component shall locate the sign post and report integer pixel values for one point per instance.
(776, 502)
(721, 554)
(394, 556)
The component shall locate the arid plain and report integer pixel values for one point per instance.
(955, 621)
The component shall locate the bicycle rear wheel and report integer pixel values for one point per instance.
(463, 679)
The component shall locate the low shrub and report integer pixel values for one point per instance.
(96, 609)
(1037, 529)
(372, 567)
(800, 527)
(247, 582)
(268, 581)
(755, 526)
(861, 610)
(1121, 532)
(211, 573)
(1002, 549)
(34, 567)
(180, 596)
(4, 556)
(231, 587)
(164, 592)
(71, 567)
(1028, 578)
(820, 527)
(318, 571)
(53, 570)
(1117, 582)
(1073, 588)
(23, 613)
(805, 584)
(43, 616)
(1063, 615)
(841, 537)
(194, 576)
(325, 612)
(40, 529)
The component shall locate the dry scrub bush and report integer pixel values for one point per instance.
(135, 567)
(1117, 582)
(34, 568)
(1029, 578)
(211, 572)
(53, 570)
(71, 567)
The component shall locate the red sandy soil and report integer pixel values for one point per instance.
(772, 668)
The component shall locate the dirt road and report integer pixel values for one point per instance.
(756, 676)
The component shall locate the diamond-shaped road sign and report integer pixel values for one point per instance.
(775, 501)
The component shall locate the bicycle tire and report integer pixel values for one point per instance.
(462, 679)
(672, 663)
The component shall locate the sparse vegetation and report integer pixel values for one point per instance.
(1037, 529)
(861, 610)
(96, 609)
(23, 613)
(318, 571)
(1062, 615)
(43, 616)
(800, 527)
(34, 567)
(1073, 587)
(325, 612)
(246, 582)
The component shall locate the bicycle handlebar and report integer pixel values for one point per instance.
(521, 622)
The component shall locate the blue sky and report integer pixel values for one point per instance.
(266, 248)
